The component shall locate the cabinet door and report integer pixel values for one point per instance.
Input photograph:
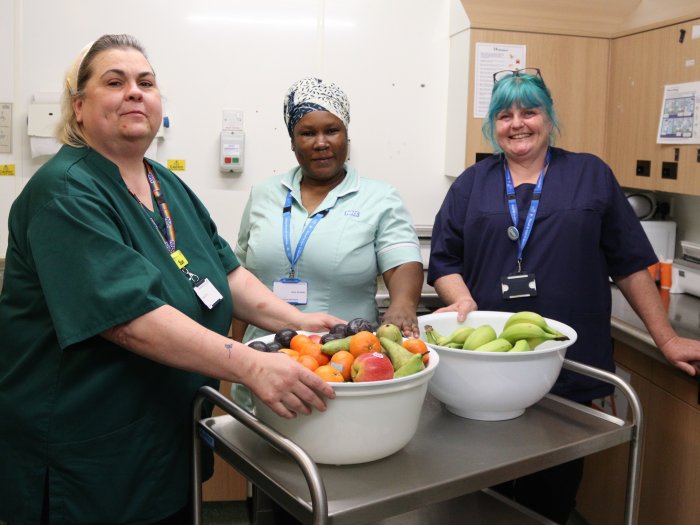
(641, 65)
(575, 70)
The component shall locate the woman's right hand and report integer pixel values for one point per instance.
(287, 387)
(462, 307)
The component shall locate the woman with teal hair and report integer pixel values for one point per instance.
(535, 227)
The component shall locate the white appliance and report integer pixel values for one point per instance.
(685, 277)
(662, 236)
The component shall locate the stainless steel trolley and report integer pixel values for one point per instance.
(448, 462)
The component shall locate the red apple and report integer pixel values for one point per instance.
(372, 366)
(315, 338)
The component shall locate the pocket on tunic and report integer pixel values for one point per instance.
(106, 479)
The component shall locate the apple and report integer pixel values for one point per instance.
(373, 366)
(315, 338)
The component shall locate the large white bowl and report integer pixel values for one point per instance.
(365, 422)
(493, 386)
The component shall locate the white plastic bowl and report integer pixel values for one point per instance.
(493, 386)
(365, 422)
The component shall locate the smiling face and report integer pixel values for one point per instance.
(120, 104)
(523, 134)
(320, 143)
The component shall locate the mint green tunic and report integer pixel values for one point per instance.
(109, 428)
(367, 232)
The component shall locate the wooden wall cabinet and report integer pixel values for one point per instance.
(641, 65)
(575, 69)
(670, 455)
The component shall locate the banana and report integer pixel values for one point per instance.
(431, 335)
(497, 345)
(534, 342)
(521, 345)
(480, 336)
(458, 336)
(526, 317)
(524, 330)
(534, 318)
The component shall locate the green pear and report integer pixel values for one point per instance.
(390, 331)
(397, 353)
(410, 367)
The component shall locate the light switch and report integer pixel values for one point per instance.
(5, 127)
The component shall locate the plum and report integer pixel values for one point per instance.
(358, 325)
(274, 346)
(330, 336)
(284, 337)
(338, 329)
(259, 345)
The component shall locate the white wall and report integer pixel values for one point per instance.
(390, 56)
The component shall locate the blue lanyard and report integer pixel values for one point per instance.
(286, 221)
(534, 204)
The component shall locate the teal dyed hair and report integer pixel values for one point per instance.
(525, 91)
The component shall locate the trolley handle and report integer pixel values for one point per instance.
(317, 489)
(635, 459)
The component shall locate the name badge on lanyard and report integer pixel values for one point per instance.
(519, 284)
(290, 289)
(203, 288)
(294, 291)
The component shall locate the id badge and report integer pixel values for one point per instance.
(207, 293)
(293, 291)
(517, 285)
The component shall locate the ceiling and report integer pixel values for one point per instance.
(599, 18)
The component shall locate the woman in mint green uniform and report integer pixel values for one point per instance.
(117, 300)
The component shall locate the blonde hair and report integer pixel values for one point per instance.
(69, 131)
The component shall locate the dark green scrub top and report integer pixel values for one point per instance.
(110, 429)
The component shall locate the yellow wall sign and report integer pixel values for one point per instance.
(7, 170)
(176, 164)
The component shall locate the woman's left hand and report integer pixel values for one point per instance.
(683, 353)
(404, 318)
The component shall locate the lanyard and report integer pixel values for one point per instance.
(169, 236)
(286, 226)
(532, 212)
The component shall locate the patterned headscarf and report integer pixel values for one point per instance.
(313, 94)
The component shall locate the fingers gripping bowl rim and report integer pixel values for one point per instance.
(493, 386)
(365, 422)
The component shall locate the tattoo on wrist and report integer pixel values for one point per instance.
(228, 347)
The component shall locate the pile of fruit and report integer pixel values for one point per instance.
(523, 331)
(352, 352)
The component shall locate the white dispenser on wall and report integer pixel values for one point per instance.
(232, 142)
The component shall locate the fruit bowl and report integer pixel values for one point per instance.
(493, 386)
(365, 421)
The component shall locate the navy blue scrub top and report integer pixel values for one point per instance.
(585, 232)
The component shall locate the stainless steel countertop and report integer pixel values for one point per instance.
(627, 327)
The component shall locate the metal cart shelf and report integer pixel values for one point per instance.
(449, 457)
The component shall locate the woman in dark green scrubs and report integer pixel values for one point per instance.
(117, 300)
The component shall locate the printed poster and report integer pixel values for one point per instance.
(680, 114)
(490, 59)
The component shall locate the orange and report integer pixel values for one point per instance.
(308, 361)
(314, 350)
(291, 353)
(364, 342)
(417, 346)
(329, 374)
(298, 341)
(342, 361)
